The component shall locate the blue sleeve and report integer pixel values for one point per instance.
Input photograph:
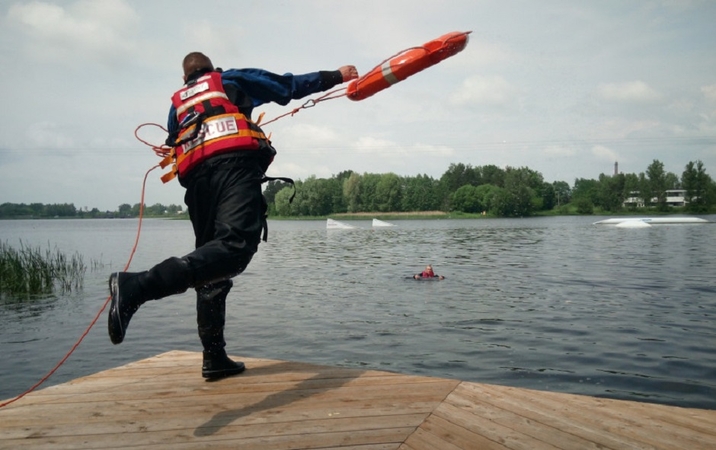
(265, 87)
(262, 87)
(172, 124)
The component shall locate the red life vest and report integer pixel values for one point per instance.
(427, 274)
(223, 128)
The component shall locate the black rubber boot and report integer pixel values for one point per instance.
(210, 318)
(218, 365)
(126, 299)
(211, 314)
(129, 291)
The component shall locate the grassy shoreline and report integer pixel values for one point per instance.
(436, 215)
(424, 215)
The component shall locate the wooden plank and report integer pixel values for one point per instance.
(201, 424)
(425, 440)
(501, 433)
(430, 391)
(140, 436)
(246, 407)
(384, 438)
(110, 418)
(437, 433)
(176, 381)
(554, 417)
(348, 399)
(640, 423)
(698, 420)
(505, 426)
(598, 420)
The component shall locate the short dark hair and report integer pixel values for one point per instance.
(196, 61)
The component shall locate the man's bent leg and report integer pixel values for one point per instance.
(129, 290)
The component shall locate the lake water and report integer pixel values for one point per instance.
(555, 304)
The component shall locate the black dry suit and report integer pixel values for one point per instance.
(226, 206)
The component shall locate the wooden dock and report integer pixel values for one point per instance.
(163, 403)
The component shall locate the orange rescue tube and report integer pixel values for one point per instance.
(407, 63)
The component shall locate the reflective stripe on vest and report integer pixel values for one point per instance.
(199, 99)
(219, 134)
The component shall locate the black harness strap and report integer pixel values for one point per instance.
(193, 118)
(264, 220)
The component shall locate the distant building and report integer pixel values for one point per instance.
(633, 200)
(674, 197)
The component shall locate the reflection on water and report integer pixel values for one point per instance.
(27, 308)
(549, 303)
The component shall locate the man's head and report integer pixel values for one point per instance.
(429, 268)
(196, 61)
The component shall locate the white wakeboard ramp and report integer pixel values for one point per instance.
(645, 222)
(336, 225)
(380, 223)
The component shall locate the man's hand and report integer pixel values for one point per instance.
(348, 72)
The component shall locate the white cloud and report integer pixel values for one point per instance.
(484, 91)
(220, 43)
(709, 92)
(490, 53)
(629, 92)
(44, 135)
(386, 149)
(620, 128)
(305, 135)
(681, 106)
(369, 144)
(604, 153)
(558, 150)
(425, 150)
(707, 124)
(480, 54)
(95, 29)
(297, 171)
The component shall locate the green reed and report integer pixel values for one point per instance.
(31, 271)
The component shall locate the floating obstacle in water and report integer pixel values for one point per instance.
(336, 225)
(379, 223)
(644, 222)
(633, 224)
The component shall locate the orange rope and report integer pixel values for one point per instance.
(79, 341)
(310, 104)
(161, 150)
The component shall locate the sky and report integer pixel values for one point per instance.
(566, 88)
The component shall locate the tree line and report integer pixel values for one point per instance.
(68, 210)
(509, 192)
(489, 189)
